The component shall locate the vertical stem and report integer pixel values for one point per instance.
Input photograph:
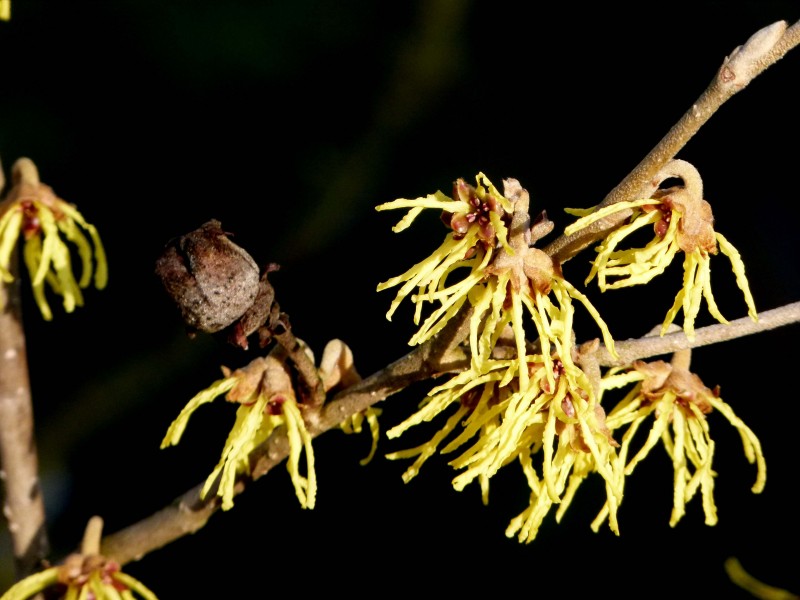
(23, 504)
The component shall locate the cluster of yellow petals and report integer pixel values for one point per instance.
(533, 404)
(102, 582)
(497, 421)
(46, 223)
(264, 392)
(460, 253)
(678, 403)
(508, 408)
(682, 222)
(83, 575)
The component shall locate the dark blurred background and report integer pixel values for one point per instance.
(288, 122)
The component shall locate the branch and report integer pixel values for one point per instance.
(762, 50)
(655, 345)
(23, 503)
(189, 512)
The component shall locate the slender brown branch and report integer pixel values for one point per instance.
(302, 362)
(189, 512)
(23, 502)
(763, 49)
(185, 515)
(654, 345)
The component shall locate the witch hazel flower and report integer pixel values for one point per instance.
(678, 404)
(48, 225)
(506, 274)
(266, 400)
(682, 221)
(525, 277)
(478, 217)
(84, 575)
(517, 398)
(266, 395)
(495, 422)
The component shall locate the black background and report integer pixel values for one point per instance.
(288, 122)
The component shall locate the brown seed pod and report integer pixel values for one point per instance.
(216, 284)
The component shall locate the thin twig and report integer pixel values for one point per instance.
(654, 345)
(23, 503)
(763, 49)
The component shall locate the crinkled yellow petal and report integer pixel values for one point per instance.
(101, 264)
(177, 427)
(9, 234)
(233, 461)
(135, 585)
(424, 451)
(501, 231)
(711, 303)
(299, 440)
(598, 214)
(50, 244)
(32, 255)
(738, 269)
(758, 589)
(33, 584)
(751, 443)
(417, 205)
(663, 411)
(421, 274)
(70, 229)
(678, 465)
(480, 298)
(354, 424)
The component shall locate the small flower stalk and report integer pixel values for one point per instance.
(48, 226)
(85, 575)
(338, 371)
(678, 403)
(682, 221)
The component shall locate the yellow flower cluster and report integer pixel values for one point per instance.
(263, 389)
(84, 575)
(95, 578)
(519, 400)
(516, 405)
(47, 223)
(502, 422)
(678, 403)
(265, 392)
(478, 217)
(682, 222)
